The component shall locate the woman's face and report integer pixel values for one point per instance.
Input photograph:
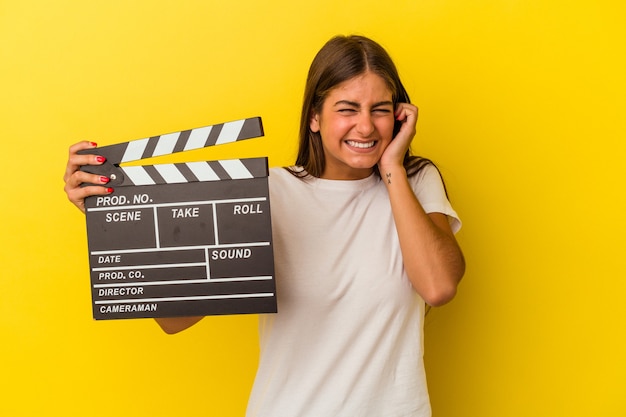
(356, 125)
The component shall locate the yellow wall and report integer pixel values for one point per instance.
(521, 104)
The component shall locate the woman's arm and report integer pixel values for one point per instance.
(177, 324)
(431, 255)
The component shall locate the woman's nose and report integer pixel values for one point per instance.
(365, 125)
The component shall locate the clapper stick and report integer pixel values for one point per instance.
(170, 143)
(181, 239)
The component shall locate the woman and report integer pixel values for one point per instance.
(363, 239)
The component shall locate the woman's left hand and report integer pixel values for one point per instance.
(405, 114)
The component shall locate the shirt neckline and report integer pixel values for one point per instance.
(345, 185)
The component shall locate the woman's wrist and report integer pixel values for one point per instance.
(392, 173)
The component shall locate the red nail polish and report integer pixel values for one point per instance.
(104, 180)
(109, 190)
(94, 144)
(100, 158)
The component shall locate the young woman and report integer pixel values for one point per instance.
(363, 238)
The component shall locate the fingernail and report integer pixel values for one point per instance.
(94, 144)
(109, 190)
(104, 180)
(100, 158)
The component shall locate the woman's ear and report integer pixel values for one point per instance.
(314, 123)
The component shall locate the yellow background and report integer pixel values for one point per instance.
(521, 105)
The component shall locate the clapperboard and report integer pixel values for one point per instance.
(181, 239)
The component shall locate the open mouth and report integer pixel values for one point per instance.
(361, 145)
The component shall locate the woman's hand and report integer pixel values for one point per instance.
(406, 115)
(74, 177)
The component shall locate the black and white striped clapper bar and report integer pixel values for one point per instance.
(181, 239)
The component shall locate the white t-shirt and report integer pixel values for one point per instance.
(347, 338)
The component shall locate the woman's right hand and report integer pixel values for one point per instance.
(74, 177)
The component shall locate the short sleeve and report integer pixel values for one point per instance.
(428, 187)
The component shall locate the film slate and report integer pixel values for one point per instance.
(181, 239)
